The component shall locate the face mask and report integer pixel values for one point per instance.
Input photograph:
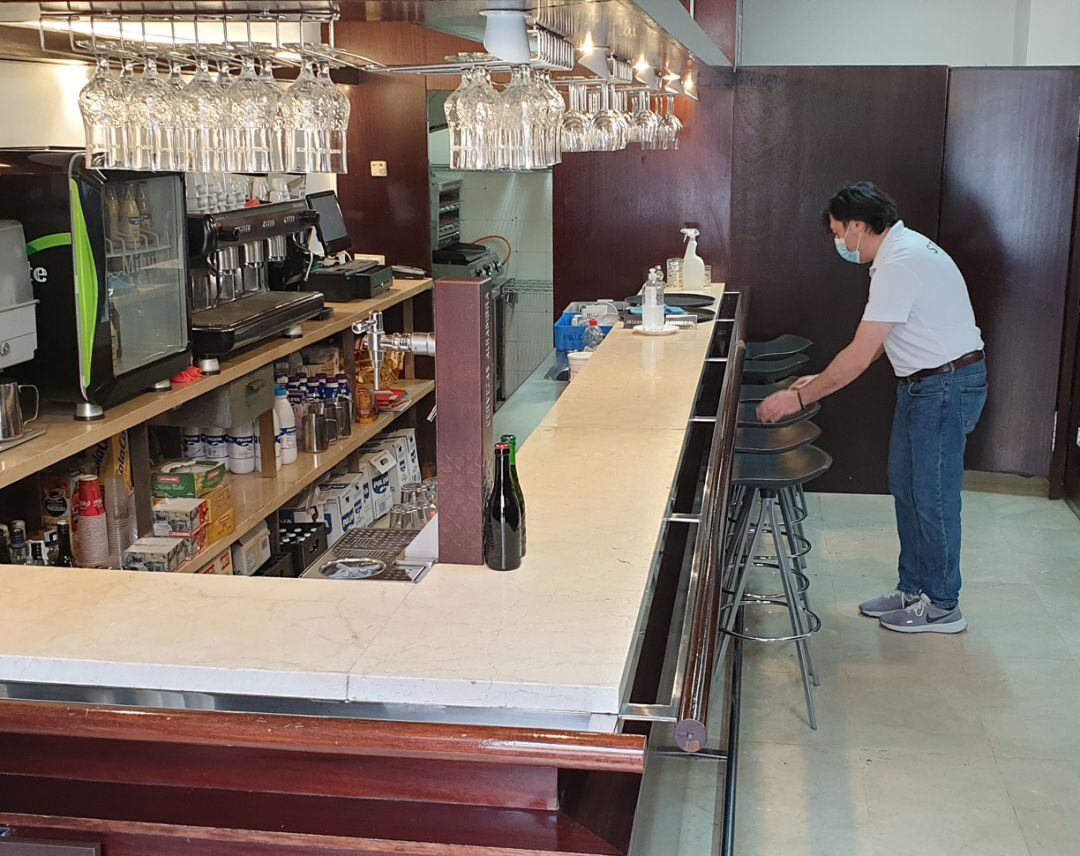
(846, 254)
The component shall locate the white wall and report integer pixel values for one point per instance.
(1054, 32)
(39, 104)
(910, 32)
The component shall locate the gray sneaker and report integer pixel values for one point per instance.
(894, 600)
(923, 617)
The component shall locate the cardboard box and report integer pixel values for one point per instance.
(222, 565)
(304, 508)
(359, 484)
(219, 502)
(409, 436)
(155, 554)
(188, 478)
(336, 506)
(396, 453)
(179, 515)
(251, 551)
(381, 465)
(225, 524)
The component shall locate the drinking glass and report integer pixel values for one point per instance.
(298, 112)
(333, 122)
(643, 123)
(518, 120)
(556, 108)
(576, 125)
(101, 103)
(407, 516)
(485, 112)
(202, 120)
(609, 126)
(150, 120)
(669, 127)
(250, 108)
(276, 137)
(458, 128)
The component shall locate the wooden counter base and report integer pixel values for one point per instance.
(167, 782)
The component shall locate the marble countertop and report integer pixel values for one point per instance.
(552, 637)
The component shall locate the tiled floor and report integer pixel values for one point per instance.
(965, 745)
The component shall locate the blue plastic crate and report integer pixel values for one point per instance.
(568, 337)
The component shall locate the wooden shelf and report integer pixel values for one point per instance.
(256, 497)
(65, 437)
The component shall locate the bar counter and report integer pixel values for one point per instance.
(551, 643)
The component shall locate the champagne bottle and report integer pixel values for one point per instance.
(65, 558)
(503, 521)
(511, 440)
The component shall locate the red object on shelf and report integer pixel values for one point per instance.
(389, 397)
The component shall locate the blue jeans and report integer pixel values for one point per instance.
(926, 473)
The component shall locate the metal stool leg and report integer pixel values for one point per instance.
(790, 527)
(742, 572)
(794, 612)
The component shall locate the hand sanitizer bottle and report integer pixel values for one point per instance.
(652, 303)
(693, 268)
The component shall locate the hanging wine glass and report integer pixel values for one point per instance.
(202, 120)
(456, 122)
(101, 103)
(643, 123)
(149, 120)
(669, 127)
(576, 123)
(298, 112)
(609, 126)
(249, 115)
(556, 108)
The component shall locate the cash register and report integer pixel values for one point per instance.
(340, 281)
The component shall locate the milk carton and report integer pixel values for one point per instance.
(382, 468)
(336, 505)
(396, 449)
(408, 435)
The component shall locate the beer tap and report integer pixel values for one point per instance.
(379, 342)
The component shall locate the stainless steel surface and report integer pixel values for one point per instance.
(697, 657)
(209, 365)
(243, 400)
(386, 546)
(11, 416)
(87, 412)
(379, 342)
(253, 253)
(276, 248)
(344, 417)
(22, 438)
(166, 698)
(352, 569)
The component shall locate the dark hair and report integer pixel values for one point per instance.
(862, 201)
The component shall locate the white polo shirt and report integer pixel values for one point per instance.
(918, 288)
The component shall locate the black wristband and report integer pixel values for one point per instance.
(798, 395)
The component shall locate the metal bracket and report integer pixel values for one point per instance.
(632, 712)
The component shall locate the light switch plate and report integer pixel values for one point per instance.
(378, 169)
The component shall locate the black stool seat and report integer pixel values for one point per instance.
(767, 371)
(761, 391)
(748, 416)
(769, 440)
(786, 469)
(783, 345)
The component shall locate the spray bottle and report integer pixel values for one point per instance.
(693, 269)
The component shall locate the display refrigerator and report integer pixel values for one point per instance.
(109, 262)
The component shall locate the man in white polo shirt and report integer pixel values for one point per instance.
(919, 314)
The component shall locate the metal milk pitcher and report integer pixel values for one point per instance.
(11, 417)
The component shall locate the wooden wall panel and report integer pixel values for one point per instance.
(801, 133)
(1006, 215)
(616, 214)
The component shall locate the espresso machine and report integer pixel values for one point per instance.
(238, 259)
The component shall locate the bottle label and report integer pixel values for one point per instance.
(288, 438)
(242, 448)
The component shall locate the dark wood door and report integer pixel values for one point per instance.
(801, 133)
(1008, 195)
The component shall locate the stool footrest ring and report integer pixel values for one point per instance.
(814, 623)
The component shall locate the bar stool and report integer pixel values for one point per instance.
(767, 482)
(761, 391)
(768, 371)
(748, 416)
(784, 345)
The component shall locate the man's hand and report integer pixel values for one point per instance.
(778, 405)
(803, 381)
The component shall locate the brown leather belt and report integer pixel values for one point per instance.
(968, 359)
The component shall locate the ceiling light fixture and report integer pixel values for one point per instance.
(506, 35)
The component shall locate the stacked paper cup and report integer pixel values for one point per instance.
(118, 502)
(93, 523)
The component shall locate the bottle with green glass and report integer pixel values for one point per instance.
(511, 440)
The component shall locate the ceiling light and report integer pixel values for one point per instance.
(587, 46)
(506, 35)
(641, 65)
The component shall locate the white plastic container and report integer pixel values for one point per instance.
(577, 361)
(215, 443)
(652, 303)
(693, 268)
(191, 442)
(287, 419)
(242, 448)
